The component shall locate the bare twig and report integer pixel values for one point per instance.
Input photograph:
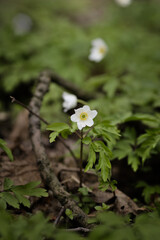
(76, 170)
(79, 229)
(29, 110)
(59, 216)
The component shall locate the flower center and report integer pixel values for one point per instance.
(102, 50)
(83, 116)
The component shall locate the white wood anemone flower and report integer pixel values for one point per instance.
(98, 50)
(84, 117)
(22, 24)
(124, 3)
(69, 101)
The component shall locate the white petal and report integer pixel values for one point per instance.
(81, 125)
(98, 42)
(79, 111)
(124, 3)
(64, 95)
(89, 122)
(96, 56)
(70, 101)
(93, 114)
(86, 108)
(74, 118)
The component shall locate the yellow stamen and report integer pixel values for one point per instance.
(83, 116)
(102, 50)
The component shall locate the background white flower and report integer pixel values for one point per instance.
(124, 3)
(98, 50)
(70, 101)
(22, 24)
(84, 117)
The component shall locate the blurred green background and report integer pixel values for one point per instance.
(57, 35)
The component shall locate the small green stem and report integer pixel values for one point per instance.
(81, 160)
(82, 102)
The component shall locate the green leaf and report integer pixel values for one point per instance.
(30, 189)
(87, 140)
(102, 208)
(84, 191)
(142, 117)
(111, 86)
(58, 127)
(108, 127)
(6, 149)
(65, 133)
(113, 185)
(69, 213)
(8, 183)
(23, 200)
(104, 165)
(98, 208)
(148, 143)
(123, 149)
(3, 204)
(91, 159)
(134, 161)
(99, 146)
(10, 199)
(148, 190)
(53, 136)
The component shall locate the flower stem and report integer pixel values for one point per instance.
(82, 102)
(81, 160)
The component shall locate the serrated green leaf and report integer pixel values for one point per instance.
(106, 126)
(8, 183)
(134, 161)
(148, 143)
(123, 149)
(58, 127)
(104, 166)
(10, 199)
(91, 159)
(23, 200)
(30, 189)
(99, 146)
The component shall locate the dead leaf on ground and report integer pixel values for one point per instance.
(125, 205)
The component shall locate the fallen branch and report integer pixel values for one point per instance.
(48, 176)
(70, 87)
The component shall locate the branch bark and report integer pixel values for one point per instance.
(70, 87)
(47, 174)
